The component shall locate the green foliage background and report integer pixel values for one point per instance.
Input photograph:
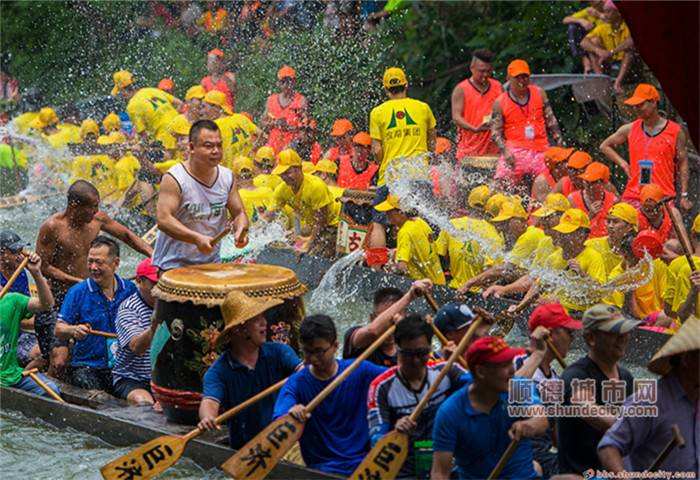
(70, 49)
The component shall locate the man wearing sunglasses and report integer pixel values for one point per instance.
(395, 394)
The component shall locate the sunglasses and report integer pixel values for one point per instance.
(414, 352)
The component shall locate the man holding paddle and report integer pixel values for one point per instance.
(336, 435)
(194, 198)
(92, 305)
(248, 366)
(15, 307)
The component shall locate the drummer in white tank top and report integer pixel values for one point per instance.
(192, 204)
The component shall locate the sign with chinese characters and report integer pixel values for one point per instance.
(385, 459)
(351, 236)
(259, 456)
(147, 461)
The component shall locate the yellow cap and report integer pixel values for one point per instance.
(180, 125)
(287, 158)
(307, 167)
(242, 163)
(479, 196)
(195, 91)
(326, 166)
(112, 122)
(122, 79)
(696, 225)
(572, 220)
(394, 77)
(510, 209)
(392, 202)
(218, 98)
(89, 126)
(553, 203)
(47, 116)
(625, 212)
(493, 204)
(265, 153)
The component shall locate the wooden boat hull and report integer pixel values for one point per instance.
(311, 270)
(121, 426)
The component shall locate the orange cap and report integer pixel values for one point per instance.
(556, 154)
(642, 93)
(651, 192)
(217, 53)
(596, 171)
(362, 138)
(166, 85)
(286, 72)
(341, 127)
(518, 67)
(579, 160)
(442, 145)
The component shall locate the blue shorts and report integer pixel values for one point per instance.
(379, 196)
(29, 385)
(124, 386)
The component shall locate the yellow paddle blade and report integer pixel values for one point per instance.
(260, 455)
(385, 459)
(147, 461)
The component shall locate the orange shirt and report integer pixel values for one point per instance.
(664, 231)
(349, 178)
(523, 125)
(477, 106)
(280, 138)
(599, 227)
(660, 150)
(221, 86)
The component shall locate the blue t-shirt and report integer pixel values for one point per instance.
(478, 440)
(21, 285)
(230, 383)
(336, 437)
(85, 303)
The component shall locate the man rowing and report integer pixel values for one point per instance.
(63, 243)
(194, 198)
(247, 366)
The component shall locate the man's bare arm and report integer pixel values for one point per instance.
(432, 138)
(611, 459)
(45, 300)
(458, 110)
(116, 229)
(550, 119)
(320, 222)
(377, 151)
(46, 245)
(234, 205)
(497, 127)
(607, 148)
(168, 203)
(442, 466)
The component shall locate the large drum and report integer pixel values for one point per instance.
(355, 218)
(189, 305)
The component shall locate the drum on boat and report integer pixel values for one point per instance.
(190, 300)
(355, 217)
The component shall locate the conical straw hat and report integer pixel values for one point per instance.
(238, 308)
(686, 339)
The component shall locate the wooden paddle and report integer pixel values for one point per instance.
(504, 460)
(154, 457)
(389, 454)
(14, 276)
(103, 334)
(441, 336)
(42, 384)
(507, 319)
(260, 455)
(677, 440)
(679, 234)
(555, 352)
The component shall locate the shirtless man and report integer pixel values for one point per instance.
(63, 243)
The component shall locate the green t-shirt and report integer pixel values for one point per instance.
(13, 309)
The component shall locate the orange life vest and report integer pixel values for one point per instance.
(280, 138)
(660, 150)
(523, 125)
(599, 228)
(476, 106)
(664, 230)
(334, 155)
(567, 186)
(221, 86)
(349, 178)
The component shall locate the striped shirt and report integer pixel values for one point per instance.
(133, 318)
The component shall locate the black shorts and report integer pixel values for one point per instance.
(45, 324)
(90, 378)
(124, 386)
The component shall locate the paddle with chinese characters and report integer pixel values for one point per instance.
(32, 374)
(258, 457)
(389, 454)
(154, 457)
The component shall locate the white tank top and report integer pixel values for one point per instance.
(202, 209)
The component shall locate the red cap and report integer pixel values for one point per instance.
(647, 240)
(491, 350)
(147, 270)
(552, 315)
(217, 53)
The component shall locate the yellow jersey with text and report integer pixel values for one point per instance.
(151, 111)
(402, 127)
(236, 137)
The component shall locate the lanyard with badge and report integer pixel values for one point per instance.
(525, 110)
(646, 166)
